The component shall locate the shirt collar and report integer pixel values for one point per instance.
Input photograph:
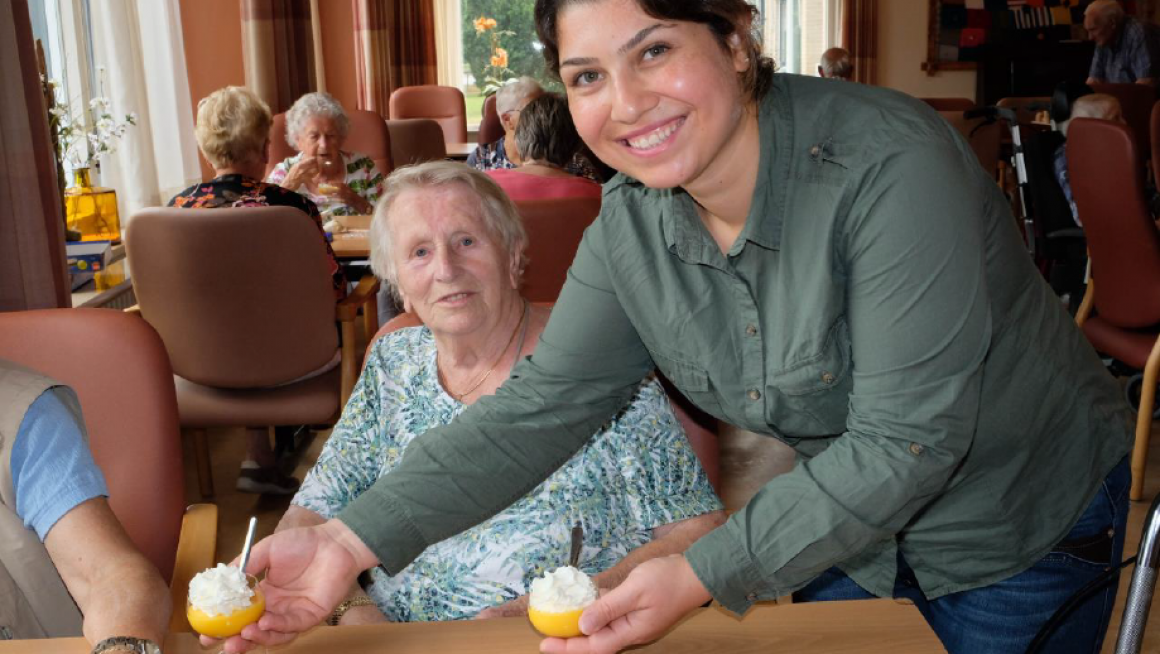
(684, 233)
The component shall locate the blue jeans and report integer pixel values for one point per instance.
(1003, 618)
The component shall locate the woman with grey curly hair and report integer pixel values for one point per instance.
(339, 182)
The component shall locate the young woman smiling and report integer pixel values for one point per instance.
(823, 263)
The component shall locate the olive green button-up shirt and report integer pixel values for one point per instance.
(878, 313)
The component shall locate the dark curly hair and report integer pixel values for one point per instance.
(723, 17)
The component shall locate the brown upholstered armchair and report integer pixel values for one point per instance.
(117, 365)
(554, 229)
(416, 140)
(368, 135)
(1120, 316)
(490, 129)
(243, 301)
(443, 104)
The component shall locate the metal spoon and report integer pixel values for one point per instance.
(249, 542)
(577, 545)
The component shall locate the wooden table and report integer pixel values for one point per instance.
(865, 627)
(460, 151)
(354, 243)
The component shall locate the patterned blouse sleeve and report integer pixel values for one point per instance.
(664, 480)
(373, 181)
(349, 462)
(278, 175)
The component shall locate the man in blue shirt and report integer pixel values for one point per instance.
(53, 493)
(1127, 50)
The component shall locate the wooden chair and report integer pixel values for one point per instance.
(443, 104)
(368, 135)
(244, 303)
(700, 428)
(118, 367)
(1121, 317)
(416, 140)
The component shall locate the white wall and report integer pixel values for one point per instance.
(902, 37)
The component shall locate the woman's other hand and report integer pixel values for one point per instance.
(302, 173)
(656, 594)
(362, 615)
(513, 609)
(347, 196)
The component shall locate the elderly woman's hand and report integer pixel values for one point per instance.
(302, 172)
(347, 196)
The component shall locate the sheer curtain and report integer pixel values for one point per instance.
(140, 58)
(449, 42)
(32, 262)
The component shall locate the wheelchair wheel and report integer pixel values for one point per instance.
(1132, 393)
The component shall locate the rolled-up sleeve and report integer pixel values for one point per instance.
(586, 366)
(920, 326)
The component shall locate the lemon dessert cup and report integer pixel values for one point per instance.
(222, 601)
(557, 600)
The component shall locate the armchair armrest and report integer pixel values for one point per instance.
(135, 309)
(196, 549)
(346, 311)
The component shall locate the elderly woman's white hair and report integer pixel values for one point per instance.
(511, 95)
(1105, 11)
(498, 212)
(309, 106)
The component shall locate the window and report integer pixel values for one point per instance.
(796, 33)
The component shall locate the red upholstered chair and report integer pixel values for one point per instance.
(118, 367)
(416, 140)
(701, 430)
(368, 135)
(490, 129)
(554, 228)
(1120, 313)
(949, 104)
(1136, 102)
(443, 104)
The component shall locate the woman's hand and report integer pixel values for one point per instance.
(512, 609)
(362, 615)
(302, 173)
(656, 594)
(347, 196)
(308, 572)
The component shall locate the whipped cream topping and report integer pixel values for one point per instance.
(220, 590)
(561, 590)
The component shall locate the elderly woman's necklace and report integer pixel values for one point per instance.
(479, 382)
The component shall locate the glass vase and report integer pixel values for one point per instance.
(90, 210)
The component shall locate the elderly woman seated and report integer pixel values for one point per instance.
(341, 183)
(451, 244)
(547, 140)
(233, 129)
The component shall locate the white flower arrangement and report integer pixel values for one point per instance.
(84, 142)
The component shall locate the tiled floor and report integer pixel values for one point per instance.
(747, 462)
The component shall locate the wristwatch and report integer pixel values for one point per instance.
(126, 644)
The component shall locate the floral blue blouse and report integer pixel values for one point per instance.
(638, 473)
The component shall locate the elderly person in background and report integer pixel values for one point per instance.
(1092, 105)
(340, 182)
(510, 101)
(451, 245)
(66, 565)
(835, 64)
(1127, 50)
(546, 140)
(233, 130)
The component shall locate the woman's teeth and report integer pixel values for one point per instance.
(455, 298)
(655, 137)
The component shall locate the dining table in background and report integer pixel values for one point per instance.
(354, 243)
(460, 151)
(864, 627)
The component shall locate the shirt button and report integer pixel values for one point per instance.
(916, 449)
(752, 597)
(827, 378)
(754, 394)
(815, 151)
(751, 330)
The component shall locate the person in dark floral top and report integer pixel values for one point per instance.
(233, 127)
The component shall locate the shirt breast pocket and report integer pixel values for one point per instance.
(691, 380)
(814, 393)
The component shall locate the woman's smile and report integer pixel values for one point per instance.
(649, 141)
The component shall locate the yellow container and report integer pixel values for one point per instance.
(90, 210)
(557, 625)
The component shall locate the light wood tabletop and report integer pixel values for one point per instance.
(355, 242)
(864, 627)
(460, 151)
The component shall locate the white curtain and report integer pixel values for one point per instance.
(139, 47)
(449, 42)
